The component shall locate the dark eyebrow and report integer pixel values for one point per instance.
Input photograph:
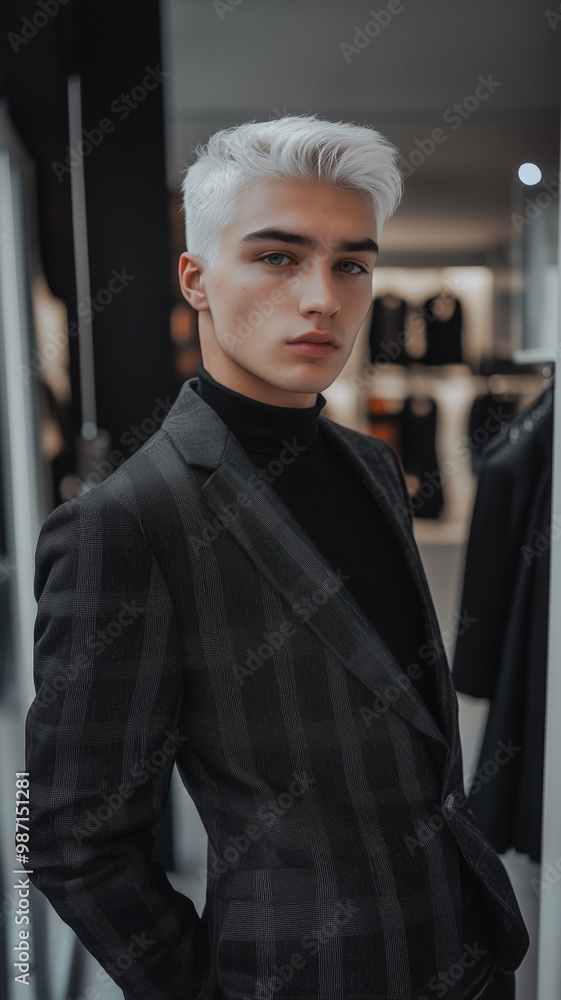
(310, 242)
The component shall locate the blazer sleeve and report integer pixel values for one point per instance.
(102, 735)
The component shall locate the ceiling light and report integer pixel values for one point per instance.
(529, 173)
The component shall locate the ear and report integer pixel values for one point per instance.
(191, 280)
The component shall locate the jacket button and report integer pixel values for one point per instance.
(449, 804)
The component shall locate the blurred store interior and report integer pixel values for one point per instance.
(101, 108)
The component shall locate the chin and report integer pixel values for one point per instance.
(311, 381)
(305, 383)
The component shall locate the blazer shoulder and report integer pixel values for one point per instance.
(136, 482)
(115, 502)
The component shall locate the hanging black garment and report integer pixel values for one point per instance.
(502, 654)
(444, 337)
(387, 336)
(488, 412)
(419, 458)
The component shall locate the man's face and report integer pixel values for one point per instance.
(295, 263)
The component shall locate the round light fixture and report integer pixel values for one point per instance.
(529, 174)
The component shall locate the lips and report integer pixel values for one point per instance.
(312, 348)
(315, 337)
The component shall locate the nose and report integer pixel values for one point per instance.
(317, 294)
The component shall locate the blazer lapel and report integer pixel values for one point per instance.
(284, 553)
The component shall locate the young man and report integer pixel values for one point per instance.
(244, 598)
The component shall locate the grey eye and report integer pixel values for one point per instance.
(275, 258)
(350, 263)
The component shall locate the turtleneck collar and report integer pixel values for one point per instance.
(260, 427)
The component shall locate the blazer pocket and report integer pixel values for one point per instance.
(271, 920)
(283, 904)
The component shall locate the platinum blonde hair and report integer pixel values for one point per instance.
(295, 147)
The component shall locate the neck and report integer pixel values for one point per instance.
(260, 427)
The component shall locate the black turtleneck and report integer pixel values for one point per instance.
(333, 505)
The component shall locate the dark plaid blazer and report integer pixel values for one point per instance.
(185, 617)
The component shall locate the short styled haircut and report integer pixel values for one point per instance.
(294, 147)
